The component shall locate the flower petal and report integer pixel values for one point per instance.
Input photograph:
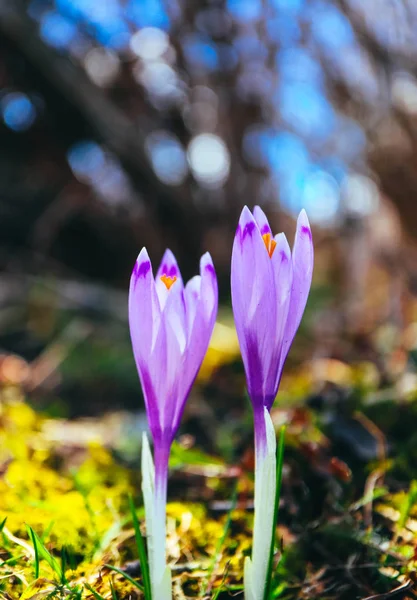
(191, 297)
(170, 335)
(144, 311)
(254, 303)
(302, 266)
(153, 385)
(209, 291)
(204, 305)
(167, 368)
(168, 267)
(261, 220)
(174, 314)
(282, 268)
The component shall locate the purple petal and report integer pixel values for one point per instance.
(202, 301)
(164, 365)
(168, 267)
(191, 296)
(254, 304)
(170, 342)
(174, 314)
(153, 384)
(151, 402)
(209, 292)
(144, 312)
(302, 266)
(144, 321)
(261, 220)
(282, 268)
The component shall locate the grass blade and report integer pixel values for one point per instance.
(280, 462)
(42, 552)
(35, 548)
(63, 564)
(113, 591)
(136, 584)
(96, 595)
(144, 565)
(2, 524)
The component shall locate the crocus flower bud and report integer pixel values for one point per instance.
(269, 293)
(170, 328)
(270, 287)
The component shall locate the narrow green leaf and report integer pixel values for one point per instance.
(12, 561)
(113, 591)
(280, 462)
(35, 548)
(42, 552)
(63, 564)
(136, 584)
(77, 593)
(144, 565)
(222, 585)
(2, 524)
(96, 595)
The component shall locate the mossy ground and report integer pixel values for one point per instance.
(348, 513)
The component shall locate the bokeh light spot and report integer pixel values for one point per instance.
(306, 108)
(18, 111)
(200, 52)
(86, 159)
(167, 157)
(321, 197)
(56, 30)
(149, 43)
(360, 195)
(209, 159)
(148, 13)
(245, 10)
(102, 66)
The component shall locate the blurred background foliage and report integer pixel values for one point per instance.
(131, 123)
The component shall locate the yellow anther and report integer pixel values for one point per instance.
(169, 281)
(270, 243)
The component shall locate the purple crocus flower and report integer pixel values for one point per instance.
(170, 328)
(270, 287)
(269, 293)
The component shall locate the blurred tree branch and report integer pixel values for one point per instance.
(171, 207)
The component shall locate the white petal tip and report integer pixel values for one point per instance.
(257, 211)
(303, 225)
(168, 256)
(143, 255)
(262, 220)
(142, 266)
(245, 216)
(303, 218)
(282, 244)
(206, 264)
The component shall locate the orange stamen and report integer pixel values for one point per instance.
(270, 243)
(169, 281)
